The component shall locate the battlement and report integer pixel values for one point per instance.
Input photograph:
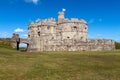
(73, 20)
(47, 22)
(53, 22)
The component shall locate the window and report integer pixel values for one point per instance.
(48, 27)
(75, 27)
(38, 33)
(28, 35)
(81, 38)
(68, 37)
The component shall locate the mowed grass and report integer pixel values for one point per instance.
(84, 65)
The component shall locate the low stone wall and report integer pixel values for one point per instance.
(72, 45)
(101, 44)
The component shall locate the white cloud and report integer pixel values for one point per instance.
(33, 1)
(37, 20)
(99, 35)
(63, 9)
(19, 30)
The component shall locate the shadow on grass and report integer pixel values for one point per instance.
(23, 49)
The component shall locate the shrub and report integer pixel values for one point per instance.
(117, 45)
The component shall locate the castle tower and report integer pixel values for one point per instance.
(60, 16)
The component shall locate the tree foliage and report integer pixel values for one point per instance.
(117, 45)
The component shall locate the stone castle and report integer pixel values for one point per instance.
(64, 35)
(61, 35)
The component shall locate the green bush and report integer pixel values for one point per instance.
(117, 45)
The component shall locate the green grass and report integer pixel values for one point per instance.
(85, 65)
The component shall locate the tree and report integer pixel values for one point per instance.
(117, 45)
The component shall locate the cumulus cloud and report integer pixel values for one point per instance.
(19, 30)
(32, 1)
(63, 9)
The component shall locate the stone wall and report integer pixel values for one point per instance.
(72, 45)
(14, 40)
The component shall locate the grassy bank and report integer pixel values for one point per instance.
(5, 43)
(101, 65)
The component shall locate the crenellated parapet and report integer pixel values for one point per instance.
(73, 20)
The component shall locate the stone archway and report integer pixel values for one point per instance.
(23, 46)
(16, 41)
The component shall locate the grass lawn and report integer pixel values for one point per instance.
(84, 65)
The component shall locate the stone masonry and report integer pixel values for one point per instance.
(64, 35)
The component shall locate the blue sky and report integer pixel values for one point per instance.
(103, 16)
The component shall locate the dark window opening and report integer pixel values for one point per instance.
(75, 27)
(81, 38)
(39, 33)
(28, 35)
(68, 37)
(48, 27)
(52, 37)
